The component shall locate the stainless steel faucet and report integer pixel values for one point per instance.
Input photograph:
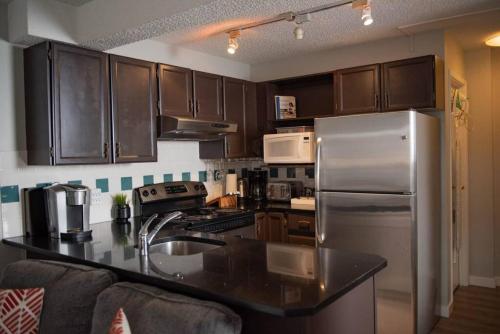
(146, 238)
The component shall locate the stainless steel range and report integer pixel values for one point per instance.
(189, 197)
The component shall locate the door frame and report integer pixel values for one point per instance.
(463, 238)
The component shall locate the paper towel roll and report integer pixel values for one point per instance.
(231, 183)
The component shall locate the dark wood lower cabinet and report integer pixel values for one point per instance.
(134, 109)
(285, 227)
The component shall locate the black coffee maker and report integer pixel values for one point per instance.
(257, 180)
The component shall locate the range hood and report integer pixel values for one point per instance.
(183, 128)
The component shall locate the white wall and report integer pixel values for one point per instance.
(481, 163)
(495, 89)
(362, 54)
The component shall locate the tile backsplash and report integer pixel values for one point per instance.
(107, 180)
(303, 174)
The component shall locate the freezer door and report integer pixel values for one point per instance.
(366, 153)
(379, 224)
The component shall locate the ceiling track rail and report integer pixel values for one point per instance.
(291, 16)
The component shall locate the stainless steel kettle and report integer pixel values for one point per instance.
(242, 188)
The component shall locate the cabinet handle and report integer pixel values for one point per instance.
(197, 107)
(117, 154)
(105, 150)
(387, 100)
(227, 148)
(303, 224)
(191, 107)
(376, 101)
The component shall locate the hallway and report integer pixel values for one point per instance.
(476, 311)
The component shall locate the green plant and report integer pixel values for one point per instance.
(121, 199)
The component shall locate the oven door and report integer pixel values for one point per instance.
(289, 148)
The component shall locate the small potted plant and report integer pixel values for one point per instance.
(122, 207)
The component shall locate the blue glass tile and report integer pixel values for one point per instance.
(10, 194)
(202, 176)
(273, 172)
(309, 172)
(290, 173)
(231, 171)
(102, 184)
(43, 184)
(186, 176)
(244, 172)
(126, 183)
(168, 177)
(148, 179)
(77, 182)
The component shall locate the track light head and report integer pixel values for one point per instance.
(232, 43)
(298, 32)
(366, 15)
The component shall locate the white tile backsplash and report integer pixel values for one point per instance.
(173, 158)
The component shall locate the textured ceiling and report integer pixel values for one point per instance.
(69, 2)
(202, 28)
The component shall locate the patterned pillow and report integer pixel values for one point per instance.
(120, 324)
(20, 310)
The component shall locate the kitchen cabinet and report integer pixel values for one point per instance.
(357, 90)
(240, 107)
(134, 108)
(261, 226)
(207, 95)
(412, 83)
(276, 227)
(175, 91)
(67, 105)
(234, 112)
(301, 229)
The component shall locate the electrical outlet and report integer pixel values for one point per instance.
(96, 196)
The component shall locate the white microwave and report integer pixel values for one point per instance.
(283, 148)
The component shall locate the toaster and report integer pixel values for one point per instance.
(284, 191)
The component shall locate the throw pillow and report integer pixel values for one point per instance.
(20, 310)
(120, 324)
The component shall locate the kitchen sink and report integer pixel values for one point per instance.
(184, 245)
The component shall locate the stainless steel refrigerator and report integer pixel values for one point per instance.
(378, 192)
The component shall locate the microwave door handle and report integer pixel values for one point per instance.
(317, 221)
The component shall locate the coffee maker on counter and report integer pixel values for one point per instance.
(61, 211)
(257, 180)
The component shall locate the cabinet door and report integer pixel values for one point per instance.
(208, 96)
(276, 227)
(254, 129)
(261, 226)
(176, 91)
(409, 83)
(134, 109)
(80, 83)
(234, 111)
(357, 90)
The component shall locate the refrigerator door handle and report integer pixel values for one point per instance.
(318, 163)
(320, 238)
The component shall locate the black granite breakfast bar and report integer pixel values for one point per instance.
(297, 289)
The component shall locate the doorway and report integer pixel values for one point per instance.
(460, 201)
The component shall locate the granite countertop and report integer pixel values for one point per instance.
(266, 206)
(243, 273)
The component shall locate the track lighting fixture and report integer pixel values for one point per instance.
(298, 18)
(298, 31)
(366, 10)
(232, 42)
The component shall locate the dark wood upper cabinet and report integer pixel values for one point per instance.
(75, 125)
(234, 112)
(207, 95)
(254, 122)
(357, 90)
(176, 91)
(134, 108)
(410, 83)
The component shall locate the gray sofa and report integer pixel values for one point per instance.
(80, 299)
